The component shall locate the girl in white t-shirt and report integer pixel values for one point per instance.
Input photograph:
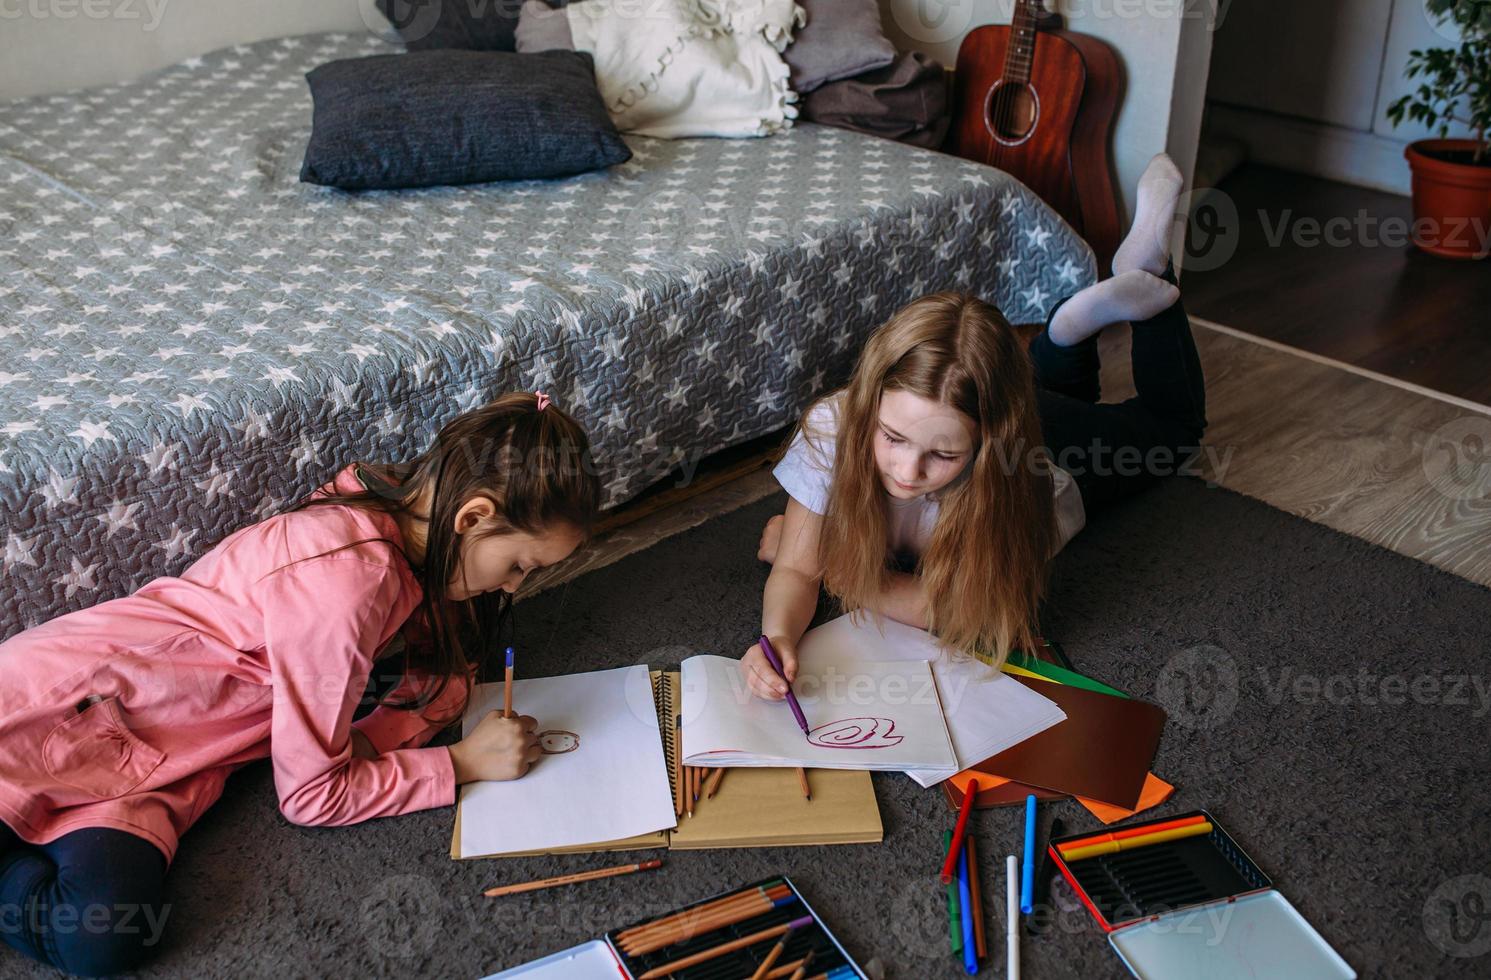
(935, 486)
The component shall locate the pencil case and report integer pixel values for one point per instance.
(1179, 898)
(829, 956)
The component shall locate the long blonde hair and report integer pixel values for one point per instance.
(984, 571)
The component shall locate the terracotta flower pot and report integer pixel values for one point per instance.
(1451, 199)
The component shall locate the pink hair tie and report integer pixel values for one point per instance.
(543, 400)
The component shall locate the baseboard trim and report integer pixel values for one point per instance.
(1346, 155)
(1440, 396)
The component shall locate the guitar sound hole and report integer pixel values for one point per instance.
(1012, 112)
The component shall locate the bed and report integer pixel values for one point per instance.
(192, 338)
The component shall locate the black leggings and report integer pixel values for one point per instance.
(1115, 449)
(89, 903)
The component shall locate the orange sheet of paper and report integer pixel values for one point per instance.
(1155, 792)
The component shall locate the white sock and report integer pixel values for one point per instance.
(1147, 246)
(1135, 295)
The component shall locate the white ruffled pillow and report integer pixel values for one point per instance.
(678, 68)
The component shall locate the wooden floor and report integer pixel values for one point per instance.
(1386, 307)
(1408, 470)
(1405, 469)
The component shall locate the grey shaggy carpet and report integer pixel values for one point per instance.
(1327, 699)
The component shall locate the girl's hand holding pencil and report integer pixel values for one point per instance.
(498, 748)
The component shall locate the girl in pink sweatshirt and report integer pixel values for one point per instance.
(119, 724)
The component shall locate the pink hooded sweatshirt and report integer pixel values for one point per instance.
(133, 713)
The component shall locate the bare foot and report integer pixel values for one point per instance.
(1147, 246)
(771, 537)
(1135, 295)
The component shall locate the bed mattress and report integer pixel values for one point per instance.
(191, 339)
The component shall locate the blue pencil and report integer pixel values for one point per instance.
(965, 900)
(1027, 873)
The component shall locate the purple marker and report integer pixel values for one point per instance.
(776, 665)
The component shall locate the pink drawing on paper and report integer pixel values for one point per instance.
(856, 733)
(558, 742)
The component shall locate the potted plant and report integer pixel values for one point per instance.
(1452, 177)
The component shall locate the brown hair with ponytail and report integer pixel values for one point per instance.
(984, 570)
(532, 462)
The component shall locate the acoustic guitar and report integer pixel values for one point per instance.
(1040, 104)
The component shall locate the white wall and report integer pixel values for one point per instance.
(1164, 46)
(1320, 104)
(55, 45)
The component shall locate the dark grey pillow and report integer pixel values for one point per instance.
(841, 39)
(476, 25)
(457, 117)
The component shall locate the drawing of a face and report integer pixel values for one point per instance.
(558, 742)
(856, 733)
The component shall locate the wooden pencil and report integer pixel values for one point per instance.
(530, 886)
(705, 956)
(802, 780)
(688, 930)
(713, 786)
(678, 766)
(978, 900)
(706, 907)
(803, 964)
(695, 921)
(773, 956)
(690, 793)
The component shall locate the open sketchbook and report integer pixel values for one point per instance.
(861, 713)
(986, 711)
(753, 807)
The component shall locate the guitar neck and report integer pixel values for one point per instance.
(1021, 51)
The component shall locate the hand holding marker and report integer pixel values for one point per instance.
(776, 665)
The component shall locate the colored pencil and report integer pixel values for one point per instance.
(507, 686)
(760, 891)
(773, 956)
(709, 918)
(965, 904)
(978, 898)
(678, 765)
(691, 789)
(1027, 876)
(1128, 843)
(724, 948)
(776, 665)
(954, 915)
(718, 919)
(802, 780)
(1012, 917)
(656, 941)
(1142, 831)
(713, 786)
(532, 886)
(950, 863)
(803, 964)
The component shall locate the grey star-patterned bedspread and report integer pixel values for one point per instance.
(192, 338)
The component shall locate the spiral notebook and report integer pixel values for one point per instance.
(753, 807)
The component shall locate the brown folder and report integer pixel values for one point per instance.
(753, 807)
(1103, 751)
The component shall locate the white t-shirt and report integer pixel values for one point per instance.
(806, 473)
